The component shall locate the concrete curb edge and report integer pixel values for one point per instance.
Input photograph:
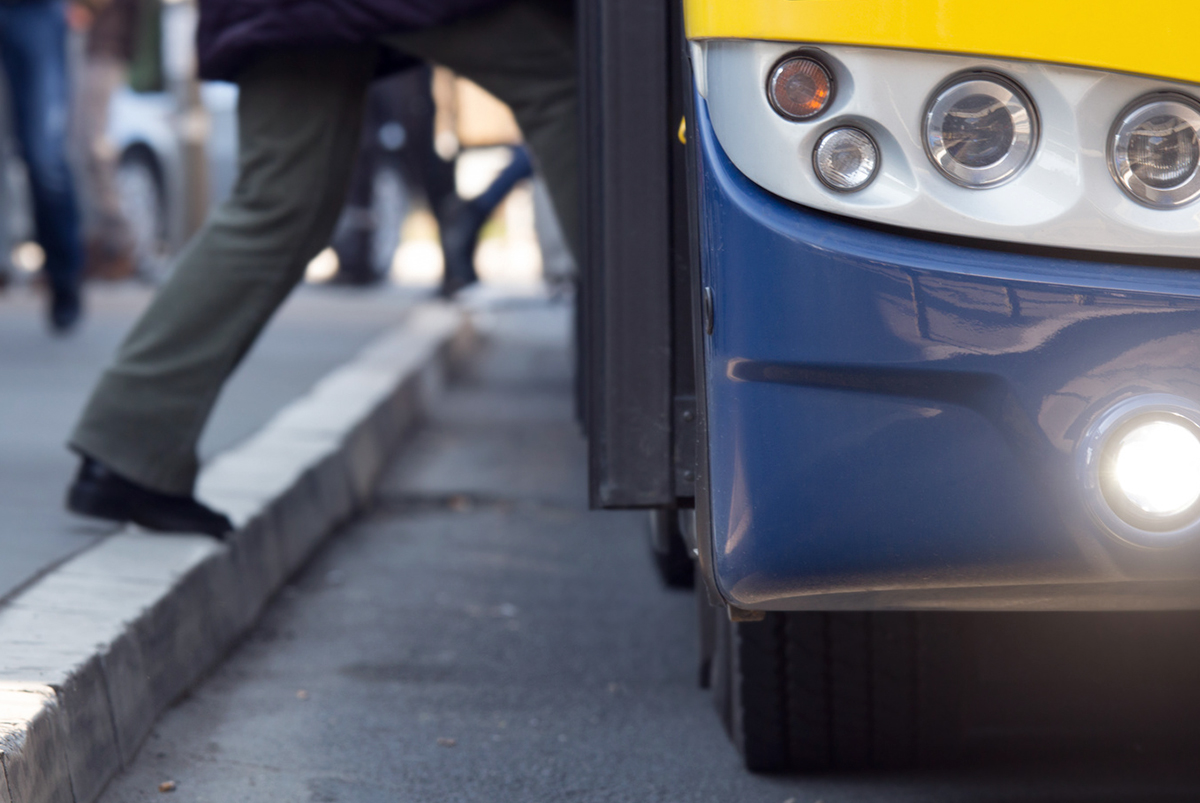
(92, 653)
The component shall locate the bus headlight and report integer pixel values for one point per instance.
(846, 159)
(1141, 464)
(1039, 137)
(980, 130)
(1154, 151)
(799, 88)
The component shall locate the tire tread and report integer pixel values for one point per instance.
(818, 691)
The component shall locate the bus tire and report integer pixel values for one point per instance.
(813, 691)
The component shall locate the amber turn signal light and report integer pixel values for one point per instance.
(799, 88)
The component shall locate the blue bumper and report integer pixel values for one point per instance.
(894, 421)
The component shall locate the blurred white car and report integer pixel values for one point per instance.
(159, 134)
(148, 129)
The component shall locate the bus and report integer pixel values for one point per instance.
(891, 318)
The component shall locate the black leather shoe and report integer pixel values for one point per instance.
(101, 493)
(459, 228)
(66, 308)
(451, 285)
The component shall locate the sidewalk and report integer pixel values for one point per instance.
(109, 626)
(44, 382)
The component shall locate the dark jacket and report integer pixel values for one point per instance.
(232, 32)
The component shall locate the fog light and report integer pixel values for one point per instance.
(799, 88)
(1156, 466)
(1140, 464)
(846, 159)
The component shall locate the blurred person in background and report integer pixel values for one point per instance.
(33, 50)
(110, 30)
(399, 128)
(462, 220)
(7, 195)
(302, 70)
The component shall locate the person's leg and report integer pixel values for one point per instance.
(354, 233)
(299, 116)
(460, 225)
(424, 167)
(519, 169)
(33, 40)
(8, 195)
(523, 53)
(431, 172)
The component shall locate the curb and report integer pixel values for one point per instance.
(92, 653)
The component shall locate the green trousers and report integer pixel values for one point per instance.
(299, 117)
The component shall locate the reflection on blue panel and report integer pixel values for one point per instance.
(889, 412)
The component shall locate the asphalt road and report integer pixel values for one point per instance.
(45, 381)
(481, 636)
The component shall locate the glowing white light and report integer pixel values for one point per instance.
(1157, 467)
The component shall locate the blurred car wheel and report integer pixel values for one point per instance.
(367, 237)
(389, 207)
(143, 201)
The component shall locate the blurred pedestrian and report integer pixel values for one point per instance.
(461, 222)
(110, 32)
(33, 50)
(398, 130)
(302, 72)
(398, 135)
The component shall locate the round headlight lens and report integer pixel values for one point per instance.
(980, 130)
(1155, 151)
(800, 88)
(846, 159)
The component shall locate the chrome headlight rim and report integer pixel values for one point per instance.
(1133, 115)
(804, 54)
(1021, 108)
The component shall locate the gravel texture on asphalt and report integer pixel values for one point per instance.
(482, 636)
